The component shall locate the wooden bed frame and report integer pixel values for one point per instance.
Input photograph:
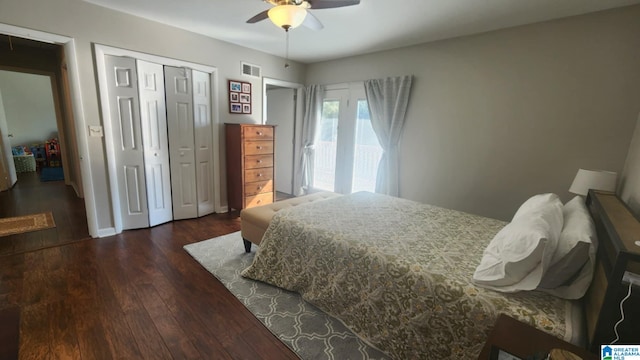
(618, 230)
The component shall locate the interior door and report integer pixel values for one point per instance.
(8, 175)
(178, 87)
(125, 117)
(281, 113)
(153, 118)
(203, 141)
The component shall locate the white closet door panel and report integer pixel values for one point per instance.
(125, 119)
(203, 141)
(181, 141)
(153, 117)
(133, 178)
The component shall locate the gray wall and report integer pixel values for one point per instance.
(89, 24)
(630, 179)
(28, 105)
(497, 117)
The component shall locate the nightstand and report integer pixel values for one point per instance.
(522, 340)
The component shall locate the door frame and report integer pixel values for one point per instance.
(297, 130)
(75, 93)
(100, 52)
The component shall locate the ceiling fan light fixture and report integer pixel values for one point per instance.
(287, 16)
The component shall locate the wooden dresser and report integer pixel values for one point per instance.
(250, 158)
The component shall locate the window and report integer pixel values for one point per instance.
(324, 172)
(347, 151)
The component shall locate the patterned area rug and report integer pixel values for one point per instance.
(305, 329)
(27, 223)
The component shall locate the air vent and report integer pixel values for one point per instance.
(251, 70)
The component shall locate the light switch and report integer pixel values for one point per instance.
(95, 130)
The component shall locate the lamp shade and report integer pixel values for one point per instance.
(593, 179)
(287, 16)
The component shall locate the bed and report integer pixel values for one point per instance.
(398, 274)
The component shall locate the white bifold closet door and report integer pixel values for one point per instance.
(190, 140)
(139, 125)
(153, 119)
(124, 111)
(179, 93)
(162, 134)
(203, 141)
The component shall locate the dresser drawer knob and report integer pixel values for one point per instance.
(259, 175)
(259, 161)
(259, 187)
(259, 147)
(260, 133)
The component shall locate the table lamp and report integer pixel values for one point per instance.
(593, 179)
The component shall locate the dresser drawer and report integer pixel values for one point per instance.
(258, 133)
(258, 187)
(257, 147)
(257, 200)
(258, 161)
(253, 175)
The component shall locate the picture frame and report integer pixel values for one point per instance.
(239, 97)
(235, 108)
(235, 86)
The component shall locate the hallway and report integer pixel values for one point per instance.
(30, 196)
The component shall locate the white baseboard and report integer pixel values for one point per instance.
(106, 232)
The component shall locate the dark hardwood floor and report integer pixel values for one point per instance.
(29, 196)
(134, 295)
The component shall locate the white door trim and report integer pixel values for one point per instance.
(100, 52)
(78, 113)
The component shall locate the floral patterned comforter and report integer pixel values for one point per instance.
(397, 273)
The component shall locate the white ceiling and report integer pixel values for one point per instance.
(371, 26)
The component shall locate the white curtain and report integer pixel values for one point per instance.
(310, 120)
(388, 99)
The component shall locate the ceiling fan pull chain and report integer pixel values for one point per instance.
(286, 59)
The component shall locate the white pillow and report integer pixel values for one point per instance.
(536, 203)
(518, 255)
(572, 264)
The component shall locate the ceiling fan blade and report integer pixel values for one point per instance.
(330, 4)
(261, 16)
(312, 22)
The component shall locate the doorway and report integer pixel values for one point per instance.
(282, 109)
(40, 70)
(31, 122)
(40, 63)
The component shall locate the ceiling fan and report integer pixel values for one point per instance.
(289, 14)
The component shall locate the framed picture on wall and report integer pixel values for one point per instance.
(235, 108)
(235, 86)
(239, 97)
